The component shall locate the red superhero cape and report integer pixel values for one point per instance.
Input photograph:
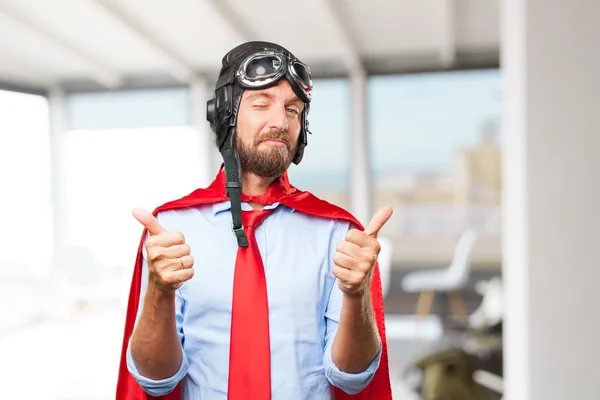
(283, 192)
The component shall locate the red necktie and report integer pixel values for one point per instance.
(250, 350)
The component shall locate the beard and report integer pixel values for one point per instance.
(266, 162)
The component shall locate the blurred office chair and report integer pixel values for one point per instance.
(491, 310)
(448, 281)
(385, 263)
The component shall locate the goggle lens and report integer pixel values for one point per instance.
(263, 67)
(303, 73)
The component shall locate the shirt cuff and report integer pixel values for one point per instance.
(350, 383)
(157, 387)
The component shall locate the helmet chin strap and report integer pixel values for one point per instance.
(233, 189)
(222, 114)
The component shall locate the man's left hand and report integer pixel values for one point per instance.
(357, 254)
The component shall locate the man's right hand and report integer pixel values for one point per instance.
(169, 260)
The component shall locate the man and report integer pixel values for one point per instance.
(287, 304)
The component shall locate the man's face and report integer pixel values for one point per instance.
(268, 126)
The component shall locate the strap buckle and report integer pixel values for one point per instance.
(240, 235)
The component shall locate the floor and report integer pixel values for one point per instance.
(73, 354)
(76, 359)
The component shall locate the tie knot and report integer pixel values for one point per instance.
(254, 218)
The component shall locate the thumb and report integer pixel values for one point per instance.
(148, 220)
(378, 220)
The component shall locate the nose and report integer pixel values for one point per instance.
(278, 119)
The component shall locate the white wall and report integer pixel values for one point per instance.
(551, 64)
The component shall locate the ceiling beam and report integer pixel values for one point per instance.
(180, 69)
(336, 12)
(235, 22)
(101, 72)
(448, 33)
(20, 68)
(20, 88)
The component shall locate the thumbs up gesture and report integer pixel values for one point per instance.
(169, 260)
(357, 254)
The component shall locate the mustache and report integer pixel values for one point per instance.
(275, 135)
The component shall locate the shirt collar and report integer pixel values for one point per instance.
(226, 206)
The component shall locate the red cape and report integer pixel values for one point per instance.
(378, 389)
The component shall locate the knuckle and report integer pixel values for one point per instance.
(352, 234)
(364, 266)
(377, 247)
(337, 258)
(178, 236)
(175, 263)
(363, 276)
(151, 242)
(360, 276)
(186, 249)
(372, 258)
(154, 253)
(336, 271)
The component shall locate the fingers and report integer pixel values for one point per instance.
(159, 256)
(172, 272)
(166, 239)
(378, 220)
(157, 251)
(343, 260)
(169, 257)
(354, 260)
(161, 264)
(360, 264)
(357, 254)
(165, 260)
(148, 220)
(176, 278)
(186, 262)
(362, 240)
(349, 248)
(348, 277)
(183, 275)
(355, 251)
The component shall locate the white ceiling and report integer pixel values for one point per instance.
(111, 43)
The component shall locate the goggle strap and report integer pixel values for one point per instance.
(226, 78)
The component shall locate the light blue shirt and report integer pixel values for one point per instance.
(304, 304)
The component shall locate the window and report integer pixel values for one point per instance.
(324, 170)
(109, 172)
(25, 208)
(436, 158)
